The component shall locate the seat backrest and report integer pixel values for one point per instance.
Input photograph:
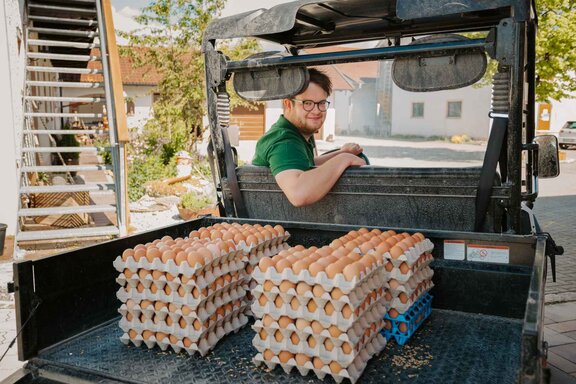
(427, 198)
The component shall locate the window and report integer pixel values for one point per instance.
(454, 109)
(129, 107)
(417, 110)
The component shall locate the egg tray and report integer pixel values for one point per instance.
(413, 285)
(188, 331)
(201, 281)
(413, 318)
(353, 300)
(255, 255)
(353, 372)
(174, 297)
(372, 279)
(404, 307)
(201, 313)
(425, 273)
(216, 268)
(336, 354)
(412, 255)
(424, 261)
(202, 346)
(258, 246)
(325, 320)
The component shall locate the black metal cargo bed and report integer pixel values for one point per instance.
(485, 324)
(451, 347)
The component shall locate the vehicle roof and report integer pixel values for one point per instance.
(309, 23)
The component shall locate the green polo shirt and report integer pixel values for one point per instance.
(283, 147)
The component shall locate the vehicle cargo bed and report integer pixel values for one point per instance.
(453, 347)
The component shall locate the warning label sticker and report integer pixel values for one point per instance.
(488, 253)
(454, 249)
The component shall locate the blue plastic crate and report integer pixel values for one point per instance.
(410, 318)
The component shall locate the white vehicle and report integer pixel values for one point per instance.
(567, 135)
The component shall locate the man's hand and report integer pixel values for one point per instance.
(352, 148)
(353, 160)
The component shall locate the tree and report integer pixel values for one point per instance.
(556, 49)
(170, 41)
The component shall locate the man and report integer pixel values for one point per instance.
(288, 147)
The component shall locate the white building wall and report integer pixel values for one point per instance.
(562, 111)
(474, 121)
(143, 100)
(12, 65)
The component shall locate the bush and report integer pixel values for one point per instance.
(145, 169)
(194, 201)
(67, 140)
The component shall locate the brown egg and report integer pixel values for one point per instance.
(161, 336)
(127, 253)
(182, 323)
(329, 345)
(169, 277)
(152, 253)
(302, 359)
(300, 265)
(352, 271)
(312, 307)
(251, 240)
(142, 273)
(336, 244)
(140, 287)
(187, 342)
(129, 316)
(403, 297)
(402, 245)
(393, 313)
(393, 283)
(195, 292)
(263, 334)
(391, 241)
(389, 266)
(206, 254)
(317, 290)
(329, 308)
(284, 356)
(278, 302)
(294, 338)
(267, 320)
(279, 230)
(333, 269)
(239, 237)
(404, 268)
(147, 334)
(396, 252)
(301, 324)
(167, 289)
(284, 321)
(346, 311)
(335, 367)
(318, 364)
(181, 291)
(278, 336)
(286, 285)
(354, 256)
(302, 288)
(156, 275)
(181, 257)
(346, 348)
(316, 326)
(388, 296)
(169, 321)
(336, 293)
(268, 285)
(365, 247)
(173, 339)
(195, 259)
(294, 304)
(268, 355)
(334, 331)
(311, 342)
(282, 265)
(315, 268)
(403, 327)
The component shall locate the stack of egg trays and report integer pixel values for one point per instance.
(413, 318)
(417, 281)
(361, 329)
(268, 248)
(206, 337)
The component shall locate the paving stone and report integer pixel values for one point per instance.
(560, 377)
(554, 338)
(561, 312)
(571, 334)
(566, 326)
(561, 363)
(567, 351)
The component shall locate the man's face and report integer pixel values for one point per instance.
(307, 122)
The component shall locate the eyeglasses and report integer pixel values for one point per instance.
(309, 105)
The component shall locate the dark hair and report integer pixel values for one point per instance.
(320, 78)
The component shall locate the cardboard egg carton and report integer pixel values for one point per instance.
(202, 312)
(254, 256)
(354, 299)
(174, 297)
(320, 350)
(373, 278)
(229, 261)
(414, 286)
(189, 330)
(411, 257)
(352, 335)
(365, 318)
(352, 372)
(202, 345)
(260, 245)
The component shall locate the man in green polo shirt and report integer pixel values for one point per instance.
(288, 147)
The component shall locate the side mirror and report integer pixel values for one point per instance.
(548, 159)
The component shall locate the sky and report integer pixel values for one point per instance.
(125, 10)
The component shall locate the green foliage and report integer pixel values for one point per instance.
(68, 141)
(106, 155)
(555, 51)
(144, 169)
(194, 201)
(170, 41)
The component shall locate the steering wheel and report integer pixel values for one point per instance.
(360, 155)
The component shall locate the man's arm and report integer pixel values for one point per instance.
(352, 148)
(307, 187)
